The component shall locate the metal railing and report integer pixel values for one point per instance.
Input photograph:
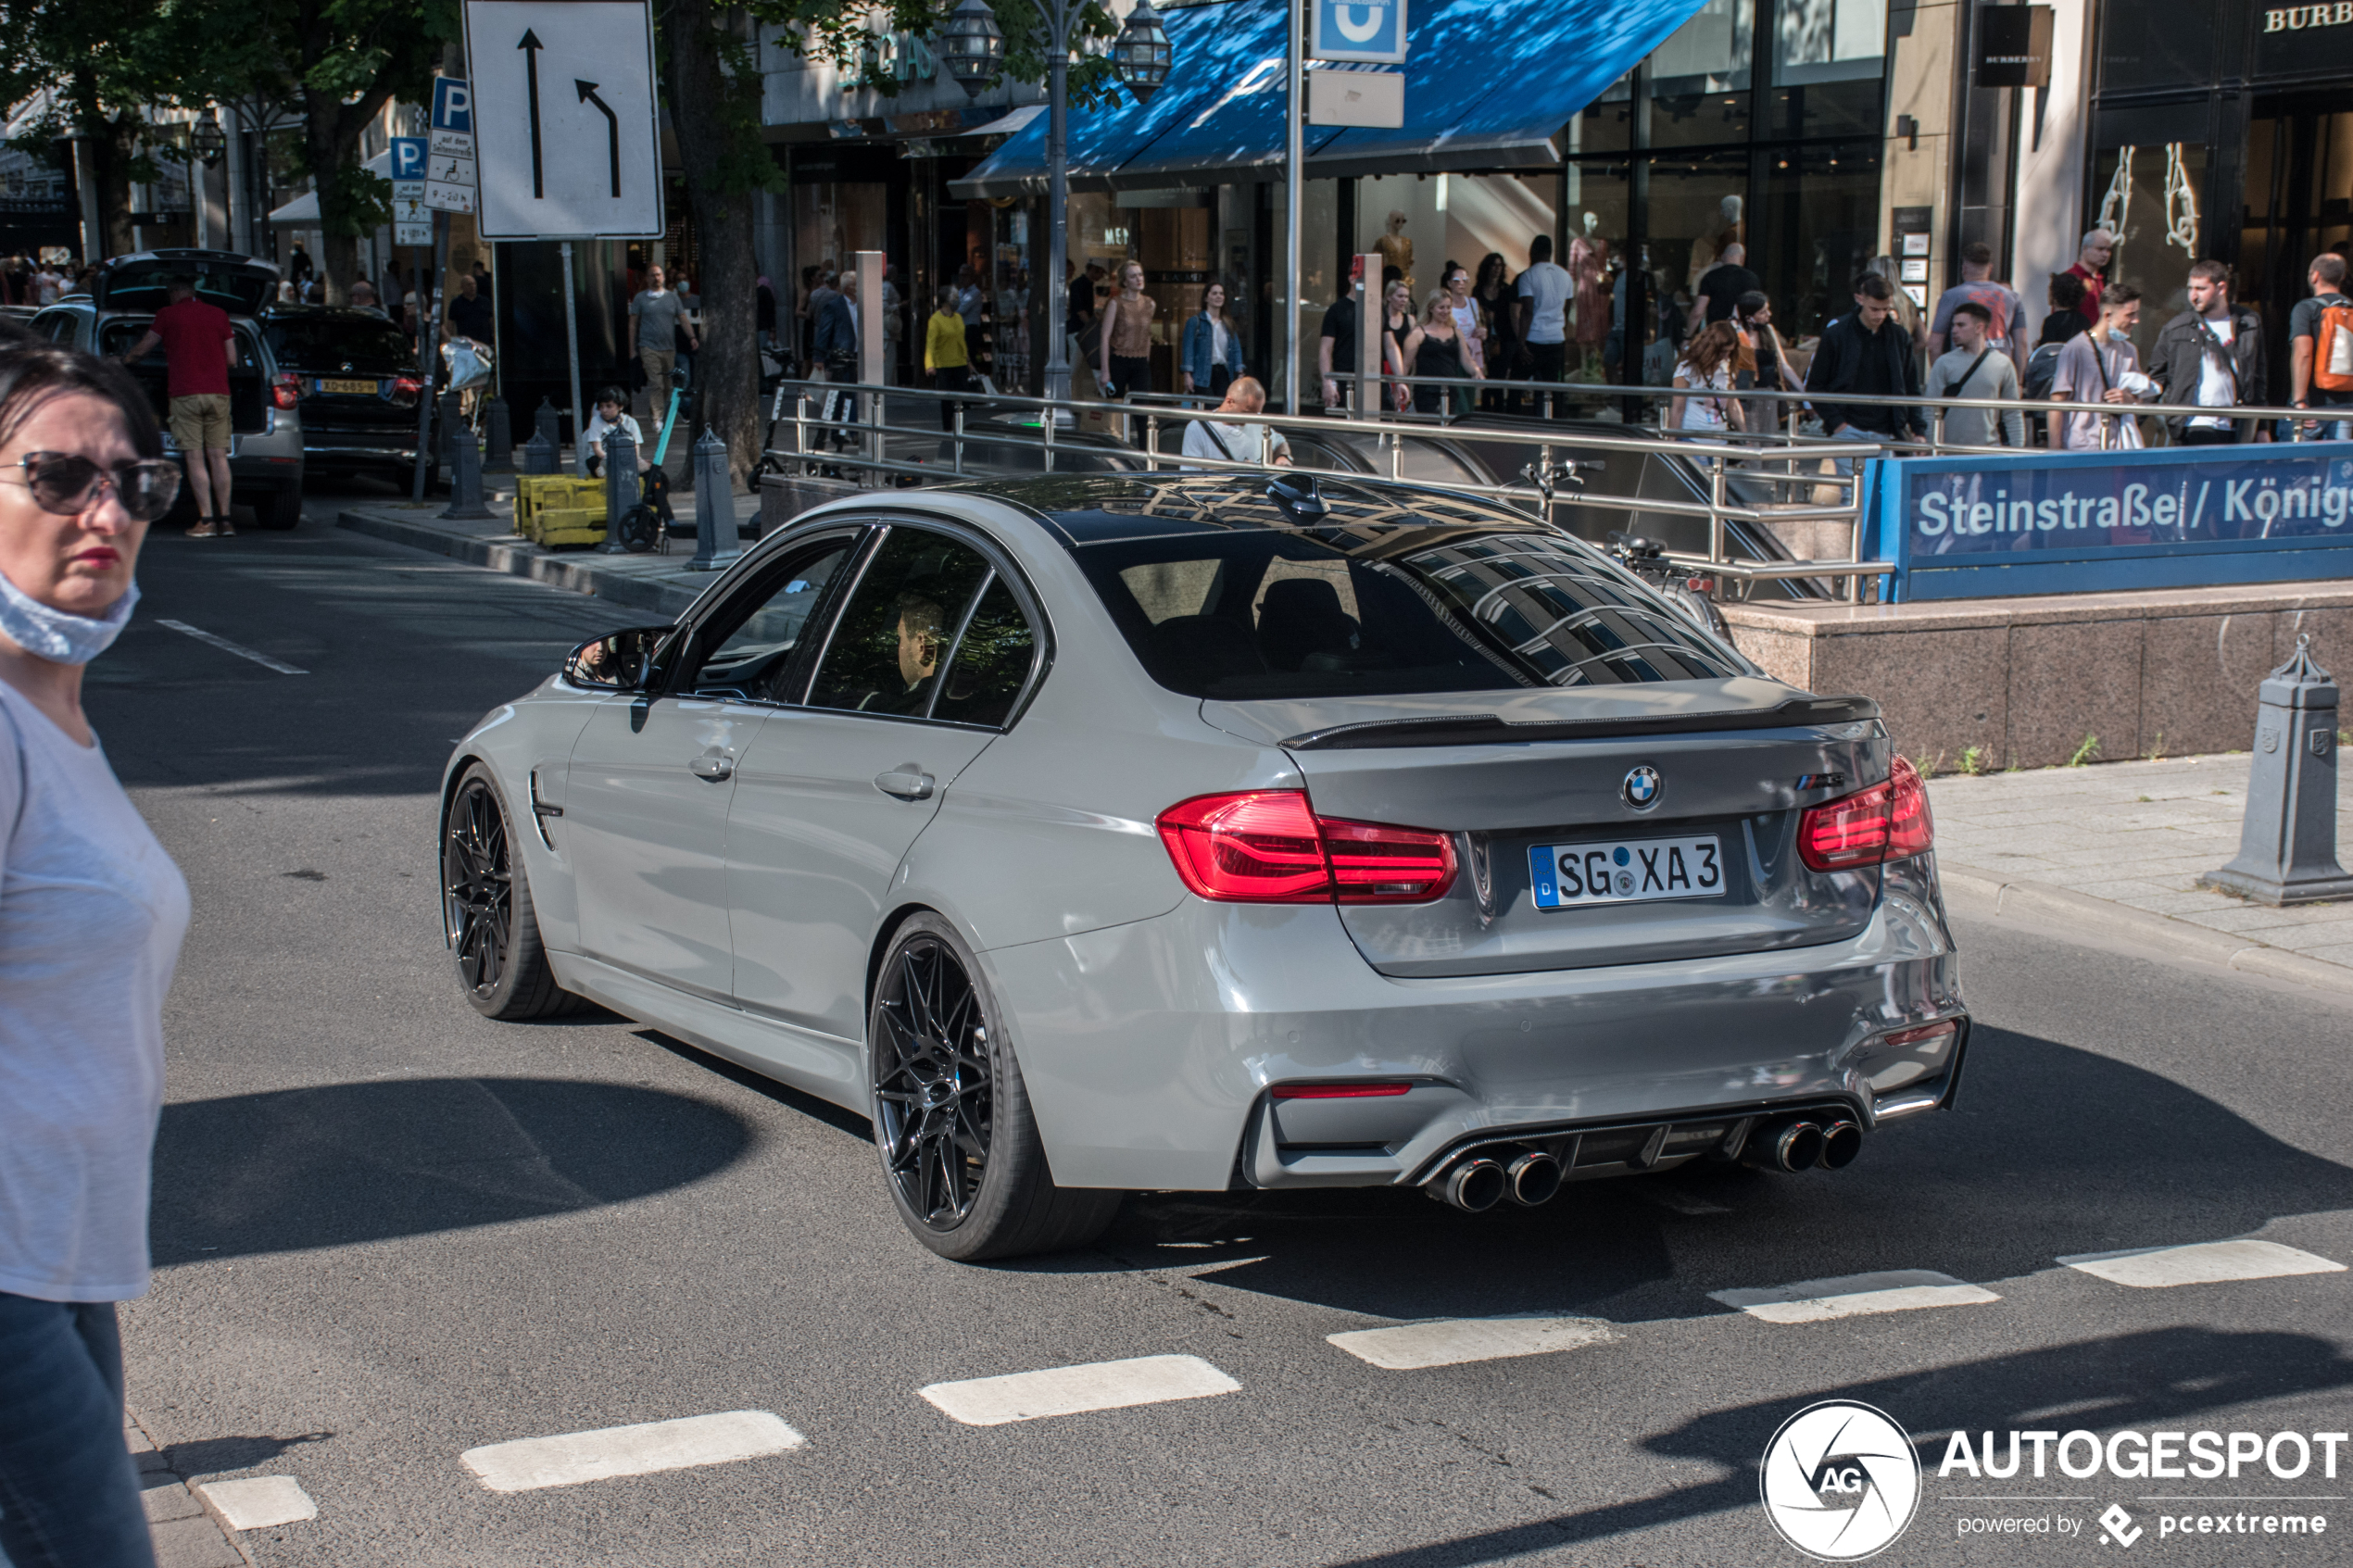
(843, 427)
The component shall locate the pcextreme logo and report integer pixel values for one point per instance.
(1840, 1480)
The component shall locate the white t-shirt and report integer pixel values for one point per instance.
(2215, 387)
(1702, 412)
(1240, 440)
(51, 285)
(92, 913)
(1546, 287)
(597, 430)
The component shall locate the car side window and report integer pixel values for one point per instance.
(900, 626)
(55, 325)
(991, 663)
(754, 659)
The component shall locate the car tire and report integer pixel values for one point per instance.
(486, 910)
(959, 1145)
(280, 509)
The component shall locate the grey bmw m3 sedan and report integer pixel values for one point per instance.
(1150, 832)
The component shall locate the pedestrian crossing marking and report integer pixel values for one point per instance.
(1456, 1341)
(1853, 1295)
(2204, 1262)
(1097, 1385)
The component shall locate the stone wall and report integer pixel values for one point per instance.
(2027, 679)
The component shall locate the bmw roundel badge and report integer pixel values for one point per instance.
(1641, 788)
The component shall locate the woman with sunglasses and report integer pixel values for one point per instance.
(92, 913)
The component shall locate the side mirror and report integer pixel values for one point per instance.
(620, 661)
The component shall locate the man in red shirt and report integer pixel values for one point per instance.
(198, 348)
(2091, 264)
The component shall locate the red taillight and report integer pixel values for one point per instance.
(1337, 1091)
(1266, 847)
(405, 389)
(287, 390)
(1887, 822)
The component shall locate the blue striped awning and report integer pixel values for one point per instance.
(1488, 85)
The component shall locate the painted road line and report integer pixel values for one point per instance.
(225, 645)
(1855, 1296)
(1098, 1386)
(259, 1501)
(1410, 1347)
(529, 1463)
(2205, 1262)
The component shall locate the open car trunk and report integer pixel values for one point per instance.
(249, 395)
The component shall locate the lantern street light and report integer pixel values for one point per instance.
(209, 140)
(975, 47)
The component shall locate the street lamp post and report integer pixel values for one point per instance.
(975, 50)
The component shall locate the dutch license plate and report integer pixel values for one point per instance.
(1571, 875)
(349, 388)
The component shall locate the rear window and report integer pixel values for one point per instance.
(141, 286)
(368, 346)
(1378, 611)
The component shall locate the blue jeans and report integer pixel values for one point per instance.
(68, 1489)
(1844, 466)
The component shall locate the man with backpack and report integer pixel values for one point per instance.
(2212, 355)
(2319, 343)
(2003, 308)
(1976, 367)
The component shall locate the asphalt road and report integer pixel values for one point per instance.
(389, 1231)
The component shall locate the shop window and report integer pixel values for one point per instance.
(1699, 78)
(1828, 57)
(1608, 123)
(1599, 220)
(2151, 197)
(2155, 43)
(1817, 228)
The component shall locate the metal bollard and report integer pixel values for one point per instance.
(715, 543)
(621, 488)
(539, 455)
(465, 479)
(2287, 846)
(499, 438)
(548, 420)
(453, 419)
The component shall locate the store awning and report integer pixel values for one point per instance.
(303, 211)
(1487, 86)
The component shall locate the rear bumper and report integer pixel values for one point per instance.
(1148, 1049)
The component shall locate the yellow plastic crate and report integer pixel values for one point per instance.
(538, 494)
(567, 525)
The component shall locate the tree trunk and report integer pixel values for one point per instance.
(323, 140)
(727, 367)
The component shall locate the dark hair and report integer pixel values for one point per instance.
(1977, 252)
(2329, 267)
(1971, 307)
(1540, 248)
(1870, 285)
(1491, 267)
(1446, 273)
(33, 372)
(181, 283)
(2119, 294)
(2066, 292)
(945, 300)
(1392, 275)
(1751, 303)
(2212, 271)
(614, 396)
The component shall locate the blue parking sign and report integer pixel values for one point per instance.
(1357, 30)
(453, 105)
(407, 158)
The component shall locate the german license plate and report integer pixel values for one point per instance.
(349, 388)
(1572, 875)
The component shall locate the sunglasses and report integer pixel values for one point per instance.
(67, 484)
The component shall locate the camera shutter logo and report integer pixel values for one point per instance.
(1840, 1480)
(1642, 786)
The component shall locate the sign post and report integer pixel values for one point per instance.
(1358, 30)
(564, 100)
(450, 187)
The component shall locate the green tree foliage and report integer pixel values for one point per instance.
(102, 62)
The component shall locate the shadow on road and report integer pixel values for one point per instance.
(327, 1167)
(2052, 1150)
(2104, 1383)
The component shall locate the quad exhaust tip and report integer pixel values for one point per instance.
(1535, 1177)
(1474, 1187)
(1527, 1177)
(1803, 1145)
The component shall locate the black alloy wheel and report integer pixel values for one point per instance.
(933, 1082)
(486, 911)
(477, 888)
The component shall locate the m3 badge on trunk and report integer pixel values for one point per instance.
(1641, 788)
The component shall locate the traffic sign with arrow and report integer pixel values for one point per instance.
(545, 171)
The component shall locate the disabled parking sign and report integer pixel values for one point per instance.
(1357, 30)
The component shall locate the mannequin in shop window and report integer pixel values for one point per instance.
(1213, 350)
(1396, 250)
(1587, 267)
(1126, 364)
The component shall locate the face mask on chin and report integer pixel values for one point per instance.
(55, 634)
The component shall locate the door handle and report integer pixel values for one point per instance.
(907, 780)
(714, 765)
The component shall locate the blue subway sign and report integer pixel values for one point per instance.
(2055, 523)
(1357, 30)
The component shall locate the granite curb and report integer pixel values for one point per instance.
(187, 1531)
(2031, 901)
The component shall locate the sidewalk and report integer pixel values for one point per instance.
(656, 583)
(2118, 846)
(2111, 847)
